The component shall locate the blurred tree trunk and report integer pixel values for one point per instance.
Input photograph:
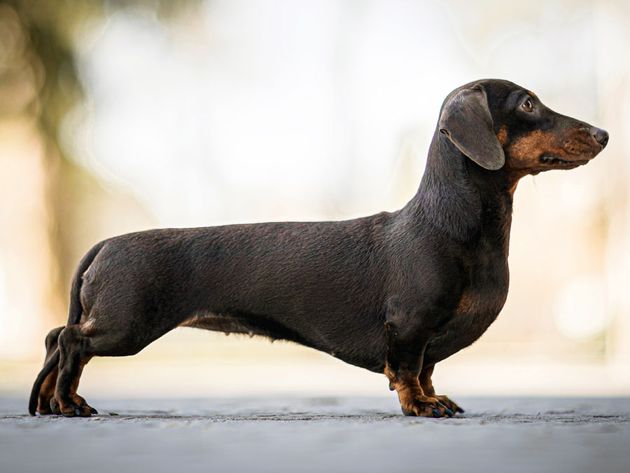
(43, 191)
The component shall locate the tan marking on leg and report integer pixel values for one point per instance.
(76, 398)
(427, 386)
(425, 381)
(75, 381)
(413, 400)
(46, 393)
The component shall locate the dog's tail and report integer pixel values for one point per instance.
(74, 317)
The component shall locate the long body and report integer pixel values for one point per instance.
(393, 293)
(322, 284)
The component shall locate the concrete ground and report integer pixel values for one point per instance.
(335, 434)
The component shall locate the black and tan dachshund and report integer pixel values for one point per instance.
(394, 293)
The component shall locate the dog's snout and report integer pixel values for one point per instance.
(601, 136)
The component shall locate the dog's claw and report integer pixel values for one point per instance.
(93, 411)
(451, 407)
(436, 413)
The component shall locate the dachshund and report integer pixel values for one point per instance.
(395, 292)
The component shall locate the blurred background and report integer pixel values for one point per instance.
(117, 116)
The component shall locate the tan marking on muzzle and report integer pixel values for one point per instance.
(532, 146)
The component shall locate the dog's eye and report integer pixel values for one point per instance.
(528, 105)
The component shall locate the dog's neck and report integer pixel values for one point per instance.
(461, 199)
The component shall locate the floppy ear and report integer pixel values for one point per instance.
(467, 122)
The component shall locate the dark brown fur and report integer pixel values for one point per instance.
(394, 292)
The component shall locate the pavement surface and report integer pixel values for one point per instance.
(329, 434)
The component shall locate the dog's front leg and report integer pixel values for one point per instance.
(427, 387)
(407, 338)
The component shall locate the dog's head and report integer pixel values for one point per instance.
(498, 124)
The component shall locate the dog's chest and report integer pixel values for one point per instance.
(484, 296)
(478, 306)
(487, 288)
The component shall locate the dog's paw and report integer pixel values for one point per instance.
(419, 405)
(71, 409)
(84, 407)
(450, 404)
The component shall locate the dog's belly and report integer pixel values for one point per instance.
(364, 347)
(366, 351)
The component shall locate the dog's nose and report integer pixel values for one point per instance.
(601, 136)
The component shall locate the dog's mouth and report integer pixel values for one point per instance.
(560, 163)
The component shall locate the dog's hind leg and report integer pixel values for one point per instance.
(76, 399)
(100, 335)
(72, 358)
(47, 389)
